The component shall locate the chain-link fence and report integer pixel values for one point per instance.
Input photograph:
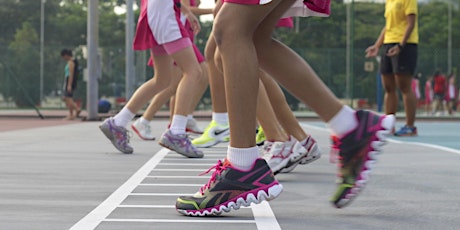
(21, 84)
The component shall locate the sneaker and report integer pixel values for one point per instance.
(231, 188)
(213, 135)
(357, 153)
(143, 131)
(260, 136)
(406, 131)
(180, 144)
(118, 135)
(192, 127)
(277, 155)
(303, 154)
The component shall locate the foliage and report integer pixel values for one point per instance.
(321, 41)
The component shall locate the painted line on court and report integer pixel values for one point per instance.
(202, 220)
(447, 149)
(173, 185)
(179, 177)
(95, 217)
(264, 217)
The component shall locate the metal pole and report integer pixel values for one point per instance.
(42, 42)
(449, 37)
(347, 55)
(129, 50)
(92, 61)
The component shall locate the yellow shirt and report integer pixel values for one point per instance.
(396, 12)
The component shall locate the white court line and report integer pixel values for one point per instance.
(263, 214)
(145, 206)
(173, 185)
(95, 217)
(159, 194)
(201, 220)
(179, 170)
(180, 177)
(186, 164)
(447, 149)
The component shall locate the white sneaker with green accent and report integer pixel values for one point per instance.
(213, 135)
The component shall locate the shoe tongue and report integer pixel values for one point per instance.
(226, 163)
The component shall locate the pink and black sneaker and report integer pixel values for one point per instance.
(231, 188)
(357, 152)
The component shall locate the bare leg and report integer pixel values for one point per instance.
(391, 96)
(282, 110)
(216, 78)
(193, 80)
(162, 97)
(163, 71)
(241, 84)
(267, 118)
(409, 99)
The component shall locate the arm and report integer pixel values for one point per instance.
(373, 50)
(190, 16)
(196, 10)
(71, 75)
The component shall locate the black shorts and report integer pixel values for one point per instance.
(404, 63)
(66, 92)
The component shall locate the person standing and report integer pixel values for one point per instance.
(429, 94)
(451, 95)
(439, 89)
(70, 83)
(399, 38)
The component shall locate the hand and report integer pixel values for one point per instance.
(372, 51)
(196, 27)
(393, 51)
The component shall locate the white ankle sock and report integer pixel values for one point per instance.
(144, 121)
(123, 117)
(178, 124)
(220, 118)
(343, 122)
(242, 158)
(190, 117)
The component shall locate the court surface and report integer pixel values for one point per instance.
(69, 176)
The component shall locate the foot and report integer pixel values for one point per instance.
(192, 127)
(143, 131)
(260, 136)
(231, 188)
(213, 135)
(303, 154)
(357, 152)
(118, 135)
(180, 144)
(406, 131)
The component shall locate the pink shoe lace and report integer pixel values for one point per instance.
(219, 167)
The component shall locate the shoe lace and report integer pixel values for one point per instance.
(218, 168)
(125, 137)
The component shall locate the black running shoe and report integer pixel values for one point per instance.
(357, 153)
(231, 188)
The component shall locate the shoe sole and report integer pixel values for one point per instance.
(387, 123)
(213, 143)
(109, 135)
(246, 199)
(139, 134)
(305, 160)
(178, 151)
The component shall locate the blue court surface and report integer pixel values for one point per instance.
(71, 177)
